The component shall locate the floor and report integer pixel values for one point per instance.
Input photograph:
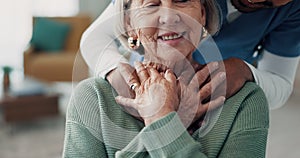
(43, 138)
(284, 139)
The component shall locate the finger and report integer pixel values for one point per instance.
(169, 76)
(199, 78)
(209, 89)
(148, 63)
(153, 73)
(162, 68)
(186, 77)
(212, 105)
(159, 67)
(141, 71)
(129, 75)
(126, 101)
(212, 67)
(215, 103)
(202, 75)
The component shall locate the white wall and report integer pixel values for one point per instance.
(16, 26)
(93, 7)
(15, 31)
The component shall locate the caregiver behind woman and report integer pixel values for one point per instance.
(96, 126)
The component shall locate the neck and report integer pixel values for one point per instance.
(184, 66)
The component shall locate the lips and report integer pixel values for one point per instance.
(171, 36)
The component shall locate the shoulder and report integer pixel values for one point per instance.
(92, 90)
(250, 96)
(250, 107)
(248, 91)
(243, 116)
(92, 87)
(92, 83)
(87, 96)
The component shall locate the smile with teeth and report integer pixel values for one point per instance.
(171, 37)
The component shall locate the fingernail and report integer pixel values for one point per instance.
(169, 71)
(216, 64)
(223, 75)
(117, 98)
(223, 99)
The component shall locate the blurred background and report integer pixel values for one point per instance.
(36, 81)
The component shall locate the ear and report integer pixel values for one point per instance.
(203, 15)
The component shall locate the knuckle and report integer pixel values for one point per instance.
(208, 88)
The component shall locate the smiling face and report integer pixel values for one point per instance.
(169, 30)
(253, 5)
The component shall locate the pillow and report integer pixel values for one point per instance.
(49, 35)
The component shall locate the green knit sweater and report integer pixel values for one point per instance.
(96, 126)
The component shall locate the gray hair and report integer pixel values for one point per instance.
(212, 9)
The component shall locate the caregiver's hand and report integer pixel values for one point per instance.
(237, 74)
(120, 76)
(194, 94)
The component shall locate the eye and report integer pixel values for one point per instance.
(151, 5)
(180, 1)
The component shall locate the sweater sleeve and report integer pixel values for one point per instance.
(167, 137)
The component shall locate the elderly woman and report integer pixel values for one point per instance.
(156, 122)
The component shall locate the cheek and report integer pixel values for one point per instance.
(148, 33)
(139, 19)
(194, 31)
(146, 28)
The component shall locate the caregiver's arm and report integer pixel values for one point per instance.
(275, 75)
(98, 46)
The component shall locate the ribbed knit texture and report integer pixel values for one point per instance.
(96, 126)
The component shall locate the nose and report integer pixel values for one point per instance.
(168, 16)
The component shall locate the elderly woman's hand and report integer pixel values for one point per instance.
(155, 94)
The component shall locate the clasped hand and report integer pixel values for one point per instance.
(159, 92)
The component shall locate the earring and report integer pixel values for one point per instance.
(204, 33)
(133, 43)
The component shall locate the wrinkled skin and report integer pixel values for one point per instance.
(167, 82)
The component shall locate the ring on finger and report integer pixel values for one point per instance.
(133, 86)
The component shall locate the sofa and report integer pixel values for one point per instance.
(53, 58)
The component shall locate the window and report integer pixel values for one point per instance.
(16, 24)
(55, 7)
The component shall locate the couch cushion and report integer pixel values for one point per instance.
(49, 35)
(56, 67)
(62, 66)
